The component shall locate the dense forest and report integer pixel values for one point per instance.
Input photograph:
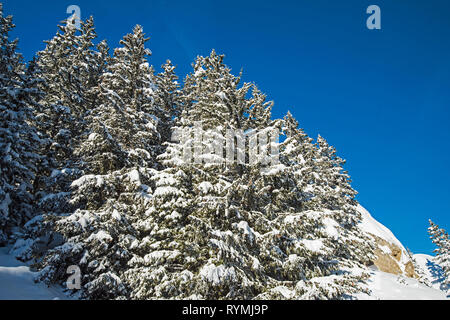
(91, 176)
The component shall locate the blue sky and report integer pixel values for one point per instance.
(381, 97)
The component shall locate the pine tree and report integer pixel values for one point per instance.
(218, 230)
(127, 101)
(18, 138)
(70, 68)
(183, 230)
(333, 189)
(441, 240)
(118, 150)
(163, 256)
(297, 153)
(67, 73)
(167, 99)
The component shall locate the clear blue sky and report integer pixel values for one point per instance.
(381, 97)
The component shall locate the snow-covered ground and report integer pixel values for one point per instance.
(387, 286)
(16, 281)
(432, 270)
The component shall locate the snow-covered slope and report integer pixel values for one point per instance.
(398, 281)
(387, 286)
(432, 271)
(16, 282)
(370, 225)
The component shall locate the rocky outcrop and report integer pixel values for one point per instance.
(390, 255)
(392, 259)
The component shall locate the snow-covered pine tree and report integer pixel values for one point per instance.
(188, 234)
(297, 153)
(68, 71)
(320, 249)
(71, 65)
(334, 192)
(167, 99)
(127, 100)
(70, 68)
(441, 240)
(118, 150)
(333, 189)
(163, 251)
(214, 230)
(18, 138)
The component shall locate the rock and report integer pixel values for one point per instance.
(391, 259)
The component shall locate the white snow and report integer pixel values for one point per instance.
(174, 215)
(432, 271)
(370, 225)
(199, 72)
(205, 187)
(387, 286)
(135, 177)
(284, 291)
(386, 249)
(330, 227)
(161, 255)
(101, 236)
(116, 215)
(217, 274)
(92, 136)
(248, 231)
(164, 191)
(312, 245)
(16, 282)
(98, 179)
(222, 95)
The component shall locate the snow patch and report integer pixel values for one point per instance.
(370, 225)
(387, 286)
(16, 282)
(312, 245)
(217, 274)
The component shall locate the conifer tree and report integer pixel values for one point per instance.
(118, 150)
(167, 99)
(214, 230)
(333, 189)
(127, 100)
(70, 68)
(18, 138)
(441, 240)
(297, 153)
